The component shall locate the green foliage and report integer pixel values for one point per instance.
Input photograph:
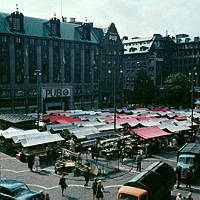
(143, 92)
(176, 91)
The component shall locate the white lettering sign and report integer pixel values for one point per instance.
(56, 92)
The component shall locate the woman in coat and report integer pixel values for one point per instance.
(99, 192)
(36, 162)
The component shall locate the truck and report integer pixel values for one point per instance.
(154, 183)
(188, 156)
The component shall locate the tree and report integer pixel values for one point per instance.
(176, 91)
(144, 90)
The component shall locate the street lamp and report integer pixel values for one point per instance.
(114, 95)
(37, 73)
(191, 75)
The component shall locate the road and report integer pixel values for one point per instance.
(45, 179)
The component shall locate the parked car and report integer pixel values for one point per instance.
(188, 156)
(13, 189)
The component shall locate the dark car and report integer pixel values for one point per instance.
(12, 189)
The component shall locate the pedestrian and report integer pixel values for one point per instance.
(174, 142)
(87, 176)
(138, 162)
(179, 196)
(42, 195)
(123, 155)
(189, 176)
(189, 196)
(94, 187)
(178, 175)
(99, 192)
(30, 161)
(47, 197)
(146, 149)
(36, 162)
(48, 155)
(63, 184)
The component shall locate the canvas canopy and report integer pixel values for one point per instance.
(17, 139)
(150, 132)
(28, 142)
(17, 133)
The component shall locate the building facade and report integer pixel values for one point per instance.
(187, 55)
(153, 55)
(160, 57)
(53, 65)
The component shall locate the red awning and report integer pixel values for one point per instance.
(150, 132)
(121, 120)
(181, 118)
(68, 119)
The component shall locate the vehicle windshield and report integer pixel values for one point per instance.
(127, 197)
(186, 160)
(20, 191)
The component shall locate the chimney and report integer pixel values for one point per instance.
(72, 19)
(64, 19)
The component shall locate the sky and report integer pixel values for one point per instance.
(132, 18)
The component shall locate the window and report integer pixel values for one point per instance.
(18, 40)
(44, 43)
(16, 24)
(3, 39)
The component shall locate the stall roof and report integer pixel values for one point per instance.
(17, 133)
(41, 140)
(82, 129)
(16, 118)
(149, 123)
(107, 127)
(84, 134)
(181, 118)
(166, 126)
(133, 123)
(150, 132)
(89, 123)
(57, 127)
(10, 129)
(178, 128)
(17, 139)
(121, 120)
(101, 134)
(115, 139)
(185, 123)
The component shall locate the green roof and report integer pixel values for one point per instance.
(36, 27)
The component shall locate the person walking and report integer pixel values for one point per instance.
(37, 162)
(30, 161)
(178, 176)
(47, 197)
(62, 183)
(189, 176)
(87, 176)
(189, 196)
(99, 192)
(179, 196)
(48, 155)
(138, 162)
(94, 188)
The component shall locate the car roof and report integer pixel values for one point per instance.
(11, 184)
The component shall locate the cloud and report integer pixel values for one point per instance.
(131, 17)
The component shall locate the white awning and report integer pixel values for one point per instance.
(17, 139)
(18, 132)
(41, 140)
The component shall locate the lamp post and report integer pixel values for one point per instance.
(38, 74)
(114, 95)
(191, 75)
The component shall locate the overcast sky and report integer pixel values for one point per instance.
(132, 17)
